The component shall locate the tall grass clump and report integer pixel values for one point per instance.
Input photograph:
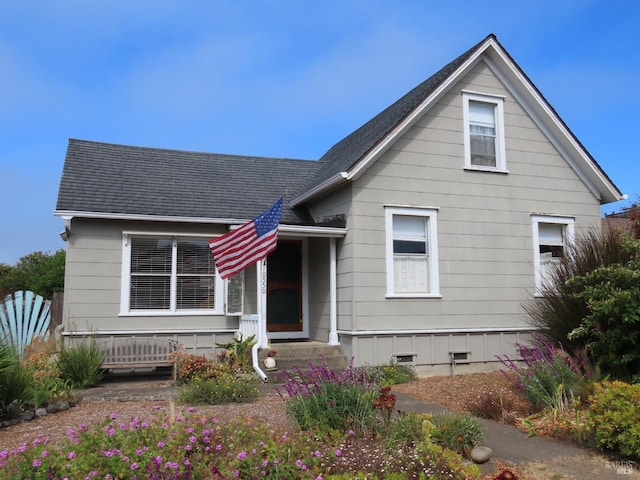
(15, 383)
(456, 431)
(80, 364)
(549, 378)
(320, 399)
(560, 309)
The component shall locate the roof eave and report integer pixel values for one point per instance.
(324, 187)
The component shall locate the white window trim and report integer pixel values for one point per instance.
(568, 222)
(432, 242)
(125, 282)
(501, 158)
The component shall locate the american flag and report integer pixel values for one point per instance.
(248, 244)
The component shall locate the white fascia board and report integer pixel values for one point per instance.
(324, 186)
(548, 121)
(418, 112)
(310, 231)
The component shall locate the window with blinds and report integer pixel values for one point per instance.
(171, 275)
(410, 254)
(552, 236)
(551, 245)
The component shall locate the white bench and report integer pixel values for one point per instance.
(136, 352)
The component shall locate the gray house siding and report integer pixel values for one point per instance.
(484, 232)
(93, 282)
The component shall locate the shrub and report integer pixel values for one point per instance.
(497, 406)
(456, 431)
(219, 390)
(390, 374)
(613, 417)
(80, 364)
(560, 309)
(321, 399)
(611, 328)
(190, 367)
(237, 353)
(550, 378)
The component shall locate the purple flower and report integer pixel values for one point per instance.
(338, 452)
(36, 463)
(113, 416)
(242, 455)
(134, 466)
(298, 463)
(71, 455)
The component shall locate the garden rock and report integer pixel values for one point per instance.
(28, 415)
(41, 412)
(481, 454)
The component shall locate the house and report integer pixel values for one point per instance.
(414, 239)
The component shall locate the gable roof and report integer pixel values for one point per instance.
(103, 180)
(118, 181)
(352, 155)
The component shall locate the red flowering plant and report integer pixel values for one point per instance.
(386, 403)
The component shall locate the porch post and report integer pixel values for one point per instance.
(261, 272)
(333, 296)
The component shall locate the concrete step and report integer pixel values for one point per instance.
(293, 355)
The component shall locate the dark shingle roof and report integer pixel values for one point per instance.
(126, 180)
(344, 154)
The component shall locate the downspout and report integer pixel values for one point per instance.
(261, 272)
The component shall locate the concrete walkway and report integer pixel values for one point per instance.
(545, 458)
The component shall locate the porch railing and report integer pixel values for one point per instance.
(248, 326)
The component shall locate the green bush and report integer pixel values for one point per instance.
(390, 374)
(613, 417)
(612, 327)
(456, 431)
(80, 364)
(561, 309)
(219, 390)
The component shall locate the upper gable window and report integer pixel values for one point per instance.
(484, 132)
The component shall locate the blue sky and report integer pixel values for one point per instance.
(285, 78)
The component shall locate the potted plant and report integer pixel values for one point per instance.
(270, 361)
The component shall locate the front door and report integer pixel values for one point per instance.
(284, 287)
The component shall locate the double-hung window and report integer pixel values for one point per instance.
(412, 252)
(169, 275)
(484, 132)
(551, 239)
